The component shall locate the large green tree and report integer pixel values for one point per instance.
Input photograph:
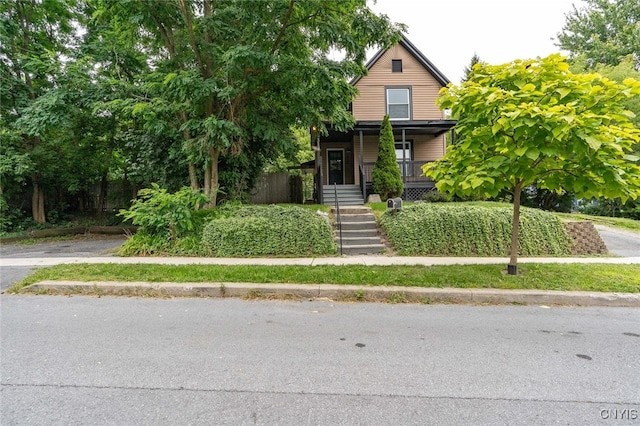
(232, 75)
(604, 31)
(533, 122)
(35, 37)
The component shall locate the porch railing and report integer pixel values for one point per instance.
(413, 171)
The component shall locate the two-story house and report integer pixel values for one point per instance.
(400, 82)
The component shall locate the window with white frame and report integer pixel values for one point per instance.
(404, 156)
(398, 101)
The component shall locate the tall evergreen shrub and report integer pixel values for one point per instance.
(387, 180)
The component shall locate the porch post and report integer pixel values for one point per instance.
(363, 184)
(319, 182)
(404, 157)
(361, 148)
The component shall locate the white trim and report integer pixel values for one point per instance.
(344, 159)
(408, 104)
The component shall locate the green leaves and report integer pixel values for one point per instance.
(576, 125)
(462, 230)
(162, 214)
(603, 31)
(386, 175)
(268, 231)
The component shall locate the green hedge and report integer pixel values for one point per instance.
(268, 231)
(453, 230)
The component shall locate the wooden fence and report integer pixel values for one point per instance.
(273, 188)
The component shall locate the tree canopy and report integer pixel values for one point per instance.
(175, 91)
(233, 75)
(533, 122)
(604, 31)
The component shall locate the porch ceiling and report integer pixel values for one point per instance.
(426, 127)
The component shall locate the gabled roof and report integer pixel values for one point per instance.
(404, 42)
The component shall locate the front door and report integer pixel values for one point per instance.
(335, 160)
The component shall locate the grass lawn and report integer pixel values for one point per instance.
(587, 277)
(614, 222)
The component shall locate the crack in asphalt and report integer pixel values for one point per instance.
(358, 395)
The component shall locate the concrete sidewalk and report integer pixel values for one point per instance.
(334, 292)
(345, 260)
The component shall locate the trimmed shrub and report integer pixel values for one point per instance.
(456, 230)
(268, 231)
(386, 177)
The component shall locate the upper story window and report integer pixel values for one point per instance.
(398, 104)
(396, 65)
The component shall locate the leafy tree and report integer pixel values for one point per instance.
(34, 37)
(623, 70)
(534, 122)
(385, 176)
(232, 75)
(468, 70)
(604, 31)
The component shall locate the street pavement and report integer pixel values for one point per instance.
(620, 242)
(104, 361)
(17, 261)
(90, 360)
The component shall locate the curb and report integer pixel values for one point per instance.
(345, 292)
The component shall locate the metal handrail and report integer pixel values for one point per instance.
(338, 218)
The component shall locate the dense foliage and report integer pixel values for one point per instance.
(427, 229)
(386, 177)
(534, 122)
(99, 95)
(604, 31)
(603, 36)
(268, 231)
(162, 214)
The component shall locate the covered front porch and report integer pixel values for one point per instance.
(348, 158)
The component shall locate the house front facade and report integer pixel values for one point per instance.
(404, 84)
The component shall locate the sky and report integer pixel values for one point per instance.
(449, 32)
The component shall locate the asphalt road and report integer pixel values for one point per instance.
(80, 246)
(619, 241)
(86, 360)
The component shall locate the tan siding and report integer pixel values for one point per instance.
(370, 104)
(427, 148)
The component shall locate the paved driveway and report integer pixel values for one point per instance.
(80, 246)
(620, 242)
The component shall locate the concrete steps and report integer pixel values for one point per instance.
(359, 231)
(348, 195)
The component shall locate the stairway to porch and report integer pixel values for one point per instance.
(359, 231)
(348, 195)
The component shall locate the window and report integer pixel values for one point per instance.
(396, 65)
(404, 154)
(398, 104)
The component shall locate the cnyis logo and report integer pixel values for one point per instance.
(619, 414)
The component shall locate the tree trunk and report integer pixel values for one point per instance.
(211, 183)
(193, 178)
(102, 195)
(513, 261)
(37, 202)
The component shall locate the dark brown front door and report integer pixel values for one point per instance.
(335, 160)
